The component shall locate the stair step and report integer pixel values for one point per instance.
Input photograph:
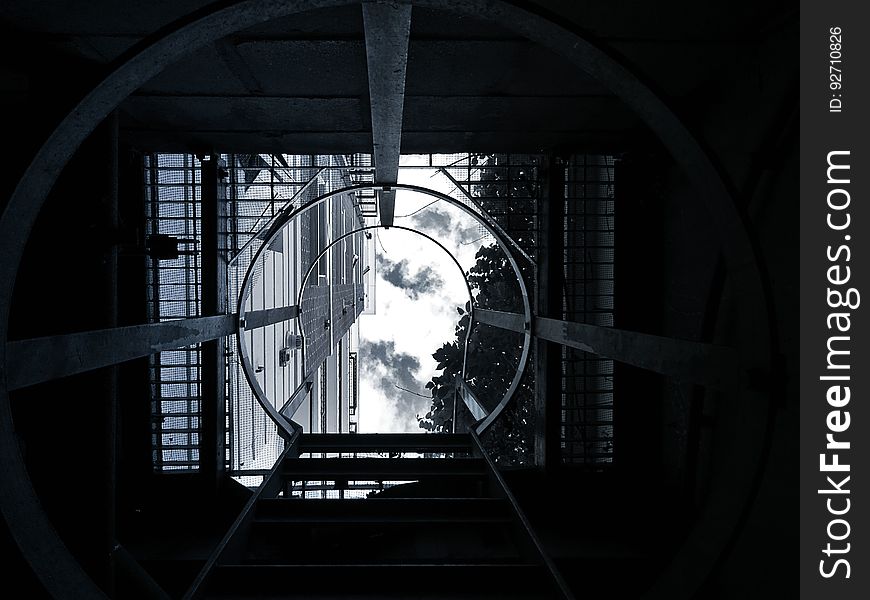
(376, 543)
(357, 582)
(382, 510)
(385, 442)
(396, 469)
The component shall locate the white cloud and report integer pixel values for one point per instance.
(416, 326)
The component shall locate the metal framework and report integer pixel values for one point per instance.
(28, 524)
(288, 217)
(260, 187)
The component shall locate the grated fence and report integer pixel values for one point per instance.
(174, 287)
(588, 237)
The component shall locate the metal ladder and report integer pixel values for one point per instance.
(455, 532)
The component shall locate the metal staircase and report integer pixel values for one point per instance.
(451, 530)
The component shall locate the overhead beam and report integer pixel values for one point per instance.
(176, 139)
(214, 302)
(387, 206)
(692, 362)
(33, 361)
(387, 27)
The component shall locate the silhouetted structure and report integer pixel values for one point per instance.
(661, 143)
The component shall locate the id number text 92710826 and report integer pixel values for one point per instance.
(835, 69)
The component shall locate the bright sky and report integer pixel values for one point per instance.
(418, 290)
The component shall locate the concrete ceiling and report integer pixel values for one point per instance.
(300, 84)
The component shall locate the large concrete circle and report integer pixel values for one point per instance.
(30, 527)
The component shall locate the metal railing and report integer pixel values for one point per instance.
(283, 219)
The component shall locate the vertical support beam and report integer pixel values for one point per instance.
(110, 276)
(387, 27)
(214, 299)
(551, 273)
(134, 411)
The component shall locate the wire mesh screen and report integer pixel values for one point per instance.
(174, 286)
(587, 380)
(260, 187)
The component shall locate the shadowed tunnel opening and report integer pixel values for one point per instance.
(317, 319)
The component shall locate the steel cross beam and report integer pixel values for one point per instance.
(387, 27)
(297, 397)
(269, 316)
(37, 360)
(695, 362)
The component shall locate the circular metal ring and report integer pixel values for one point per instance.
(285, 218)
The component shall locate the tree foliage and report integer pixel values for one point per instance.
(507, 190)
(493, 355)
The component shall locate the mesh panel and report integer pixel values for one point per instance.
(172, 185)
(587, 380)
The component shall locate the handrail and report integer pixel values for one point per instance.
(486, 215)
(521, 515)
(244, 517)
